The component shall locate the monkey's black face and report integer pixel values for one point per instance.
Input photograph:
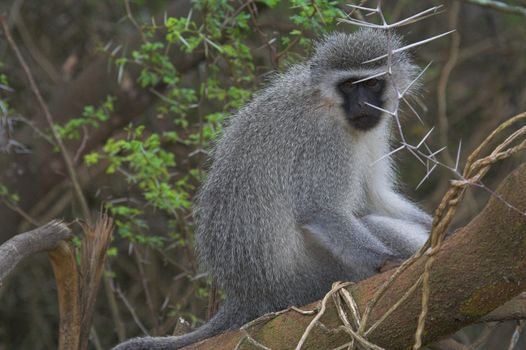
(356, 96)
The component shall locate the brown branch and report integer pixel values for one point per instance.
(67, 281)
(92, 261)
(443, 81)
(43, 238)
(77, 287)
(479, 268)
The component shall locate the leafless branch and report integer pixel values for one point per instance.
(499, 5)
(43, 238)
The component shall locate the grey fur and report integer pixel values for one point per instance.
(293, 201)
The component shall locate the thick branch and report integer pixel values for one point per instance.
(479, 268)
(44, 238)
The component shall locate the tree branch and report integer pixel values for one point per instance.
(499, 5)
(44, 238)
(479, 268)
(67, 280)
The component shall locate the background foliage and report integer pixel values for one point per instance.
(140, 89)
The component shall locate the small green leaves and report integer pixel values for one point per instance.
(91, 117)
(8, 196)
(92, 158)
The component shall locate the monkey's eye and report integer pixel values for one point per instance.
(348, 84)
(371, 83)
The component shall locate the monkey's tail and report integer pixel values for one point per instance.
(222, 320)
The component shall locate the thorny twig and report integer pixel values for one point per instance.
(130, 16)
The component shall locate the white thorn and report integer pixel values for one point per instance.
(388, 154)
(410, 149)
(413, 110)
(417, 17)
(414, 80)
(425, 177)
(418, 43)
(425, 137)
(437, 152)
(371, 77)
(357, 7)
(458, 154)
(380, 109)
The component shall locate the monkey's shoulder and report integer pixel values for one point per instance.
(286, 95)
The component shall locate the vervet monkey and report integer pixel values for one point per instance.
(298, 195)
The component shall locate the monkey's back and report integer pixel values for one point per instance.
(249, 208)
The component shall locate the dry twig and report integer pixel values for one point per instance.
(92, 258)
(44, 238)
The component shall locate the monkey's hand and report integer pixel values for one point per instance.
(349, 240)
(396, 206)
(400, 236)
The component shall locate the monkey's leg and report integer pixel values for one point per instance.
(349, 241)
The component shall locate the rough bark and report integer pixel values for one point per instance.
(44, 238)
(479, 268)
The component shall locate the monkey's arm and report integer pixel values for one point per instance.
(349, 240)
(397, 222)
